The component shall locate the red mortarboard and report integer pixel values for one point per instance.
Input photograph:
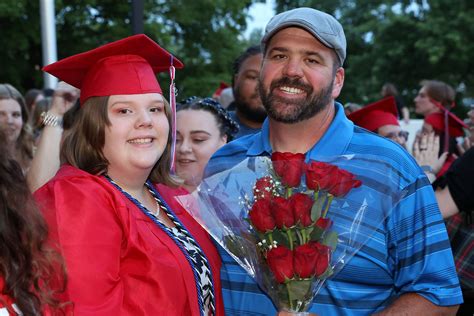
(376, 115)
(437, 120)
(218, 91)
(126, 66)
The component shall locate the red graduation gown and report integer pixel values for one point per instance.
(118, 261)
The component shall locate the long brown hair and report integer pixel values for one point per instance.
(25, 142)
(82, 146)
(29, 268)
(440, 91)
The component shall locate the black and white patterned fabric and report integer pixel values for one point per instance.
(200, 263)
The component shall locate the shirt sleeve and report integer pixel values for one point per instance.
(89, 236)
(460, 180)
(419, 249)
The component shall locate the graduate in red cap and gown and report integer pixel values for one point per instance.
(381, 117)
(129, 246)
(447, 126)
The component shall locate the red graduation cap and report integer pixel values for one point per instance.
(218, 91)
(126, 66)
(438, 121)
(377, 114)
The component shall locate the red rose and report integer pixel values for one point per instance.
(323, 258)
(301, 205)
(320, 175)
(282, 212)
(263, 188)
(289, 167)
(323, 223)
(305, 259)
(280, 262)
(261, 216)
(345, 182)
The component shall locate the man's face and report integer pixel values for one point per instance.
(297, 79)
(246, 94)
(395, 133)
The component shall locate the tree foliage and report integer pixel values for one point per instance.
(403, 42)
(204, 34)
(399, 41)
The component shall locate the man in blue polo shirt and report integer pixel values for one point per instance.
(407, 266)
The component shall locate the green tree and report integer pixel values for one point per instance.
(204, 34)
(403, 42)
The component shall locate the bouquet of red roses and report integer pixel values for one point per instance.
(293, 231)
(289, 223)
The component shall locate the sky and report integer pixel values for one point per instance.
(260, 14)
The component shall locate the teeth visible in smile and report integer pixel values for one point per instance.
(291, 90)
(140, 141)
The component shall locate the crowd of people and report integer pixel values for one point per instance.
(90, 172)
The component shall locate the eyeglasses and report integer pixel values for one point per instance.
(400, 134)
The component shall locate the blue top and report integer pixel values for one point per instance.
(408, 253)
(244, 130)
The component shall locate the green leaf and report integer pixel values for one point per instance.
(316, 234)
(316, 209)
(281, 238)
(330, 240)
(300, 288)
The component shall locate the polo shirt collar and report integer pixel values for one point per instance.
(333, 143)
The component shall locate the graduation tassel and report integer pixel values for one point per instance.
(173, 115)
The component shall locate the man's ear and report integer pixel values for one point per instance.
(338, 82)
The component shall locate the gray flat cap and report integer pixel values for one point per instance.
(321, 25)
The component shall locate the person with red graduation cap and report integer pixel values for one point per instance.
(129, 247)
(446, 127)
(381, 117)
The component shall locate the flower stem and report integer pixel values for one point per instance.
(328, 203)
(270, 238)
(288, 192)
(316, 195)
(300, 235)
(290, 298)
(290, 238)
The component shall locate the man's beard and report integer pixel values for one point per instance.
(297, 110)
(252, 114)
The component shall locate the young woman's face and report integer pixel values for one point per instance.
(10, 119)
(137, 135)
(198, 138)
(423, 104)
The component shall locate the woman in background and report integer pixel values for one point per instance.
(203, 126)
(26, 265)
(13, 121)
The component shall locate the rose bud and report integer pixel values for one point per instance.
(319, 175)
(323, 223)
(282, 212)
(345, 182)
(263, 188)
(289, 167)
(305, 260)
(280, 262)
(261, 216)
(301, 205)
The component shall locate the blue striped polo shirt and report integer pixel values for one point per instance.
(408, 252)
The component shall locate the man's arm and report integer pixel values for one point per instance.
(414, 304)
